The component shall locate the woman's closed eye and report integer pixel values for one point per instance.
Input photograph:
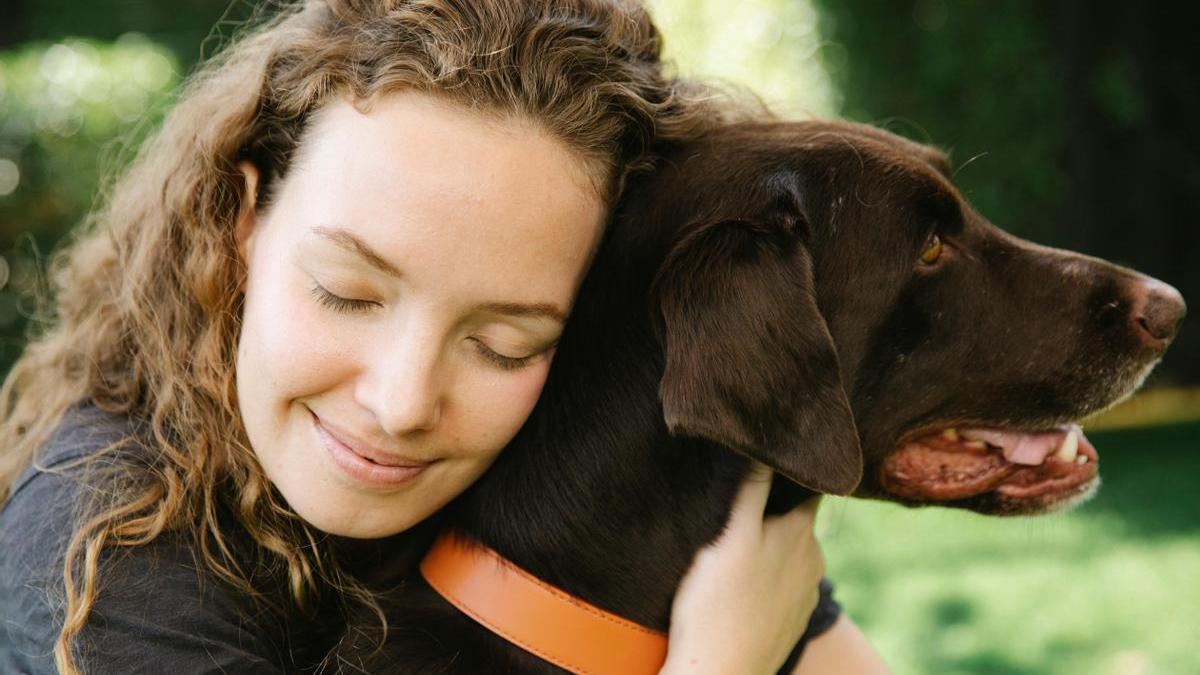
(340, 304)
(504, 362)
(482, 348)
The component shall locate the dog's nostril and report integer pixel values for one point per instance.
(1158, 309)
(1146, 325)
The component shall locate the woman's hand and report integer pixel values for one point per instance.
(747, 598)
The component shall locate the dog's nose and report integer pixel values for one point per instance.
(1158, 309)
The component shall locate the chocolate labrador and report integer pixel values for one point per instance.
(817, 296)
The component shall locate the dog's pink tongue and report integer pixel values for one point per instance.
(1030, 449)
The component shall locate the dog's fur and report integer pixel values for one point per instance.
(761, 293)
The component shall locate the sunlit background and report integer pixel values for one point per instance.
(1073, 123)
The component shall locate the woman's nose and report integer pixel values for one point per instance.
(402, 386)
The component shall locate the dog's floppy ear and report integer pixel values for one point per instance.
(750, 363)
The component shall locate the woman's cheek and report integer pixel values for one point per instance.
(501, 405)
(529, 388)
(308, 349)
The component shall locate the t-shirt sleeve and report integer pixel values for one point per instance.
(153, 612)
(823, 617)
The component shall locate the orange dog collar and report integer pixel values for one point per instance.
(536, 616)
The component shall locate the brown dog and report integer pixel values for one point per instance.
(817, 296)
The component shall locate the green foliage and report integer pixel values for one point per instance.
(1111, 587)
(975, 77)
(69, 113)
(188, 28)
(62, 104)
(772, 47)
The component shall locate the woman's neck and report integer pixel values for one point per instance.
(384, 562)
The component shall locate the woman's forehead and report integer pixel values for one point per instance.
(449, 196)
(424, 122)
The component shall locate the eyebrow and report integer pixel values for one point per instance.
(537, 310)
(348, 241)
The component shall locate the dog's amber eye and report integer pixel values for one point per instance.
(933, 250)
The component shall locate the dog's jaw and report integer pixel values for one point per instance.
(1018, 471)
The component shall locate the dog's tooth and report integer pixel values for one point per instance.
(950, 434)
(975, 445)
(1081, 459)
(1069, 448)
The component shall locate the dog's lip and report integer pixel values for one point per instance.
(927, 429)
(949, 463)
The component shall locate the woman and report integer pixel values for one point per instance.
(317, 306)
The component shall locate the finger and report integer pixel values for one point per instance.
(799, 520)
(793, 539)
(756, 470)
(751, 500)
(792, 527)
(808, 507)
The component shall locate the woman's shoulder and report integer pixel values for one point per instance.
(152, 608)
(44, 503)
(153, 611)
(84, 430)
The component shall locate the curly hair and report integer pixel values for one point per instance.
(147, 294)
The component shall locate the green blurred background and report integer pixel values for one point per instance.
(1072, 123)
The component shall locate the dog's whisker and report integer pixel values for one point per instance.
(968, 163)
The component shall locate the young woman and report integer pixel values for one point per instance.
(319, 303)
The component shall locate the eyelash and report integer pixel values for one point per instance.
(338, 303)
(500, 360)
(348, 306)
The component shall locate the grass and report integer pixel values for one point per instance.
(1110, 588)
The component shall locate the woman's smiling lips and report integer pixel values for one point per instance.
(365, 464)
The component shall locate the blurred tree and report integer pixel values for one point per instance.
(180, 25)
(12, 27)
(971, 77)
(1077, 120)
(78, 91)
(772, 47)
(1132, 143)
(68, 112)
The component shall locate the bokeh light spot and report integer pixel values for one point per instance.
(10, 178)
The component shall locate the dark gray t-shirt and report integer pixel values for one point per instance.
(154, 614)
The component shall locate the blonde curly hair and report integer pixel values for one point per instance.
(147, 294)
